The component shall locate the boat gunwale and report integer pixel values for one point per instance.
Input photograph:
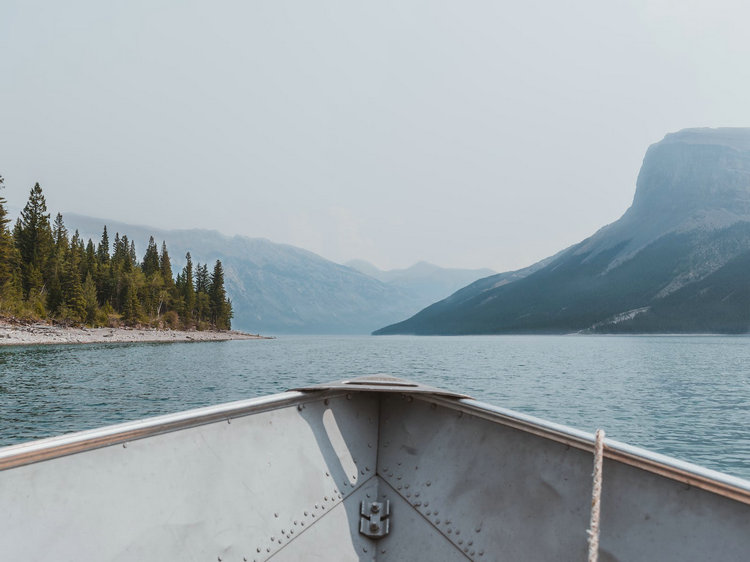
(48, 448)
(30, 452)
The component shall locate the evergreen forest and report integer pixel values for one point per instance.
(46, 274)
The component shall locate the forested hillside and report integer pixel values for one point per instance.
(47, 274)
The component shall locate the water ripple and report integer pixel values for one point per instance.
(682, 396)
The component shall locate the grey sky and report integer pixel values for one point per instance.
(468, 134)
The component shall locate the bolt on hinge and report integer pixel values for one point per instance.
(374, 522)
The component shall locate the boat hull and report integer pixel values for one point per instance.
(286, 478)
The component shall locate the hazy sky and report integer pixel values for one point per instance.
(465, 133)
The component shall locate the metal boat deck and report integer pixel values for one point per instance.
(367, 469)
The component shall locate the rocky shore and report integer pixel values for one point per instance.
(40, 333)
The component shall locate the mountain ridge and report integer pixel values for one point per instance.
(275, 288)
(427, 282)
(689, 219)
(279, 288)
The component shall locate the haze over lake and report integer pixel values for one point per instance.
(684, 396)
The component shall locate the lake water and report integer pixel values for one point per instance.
(684, 396)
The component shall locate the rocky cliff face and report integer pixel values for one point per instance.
(696, 179)
(683, 240)
(695, 171)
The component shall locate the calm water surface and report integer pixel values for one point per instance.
(687, 397)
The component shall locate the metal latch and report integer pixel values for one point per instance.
(374, 522)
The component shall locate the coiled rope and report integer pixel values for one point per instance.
(596, 497)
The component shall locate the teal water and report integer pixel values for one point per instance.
(684, 396)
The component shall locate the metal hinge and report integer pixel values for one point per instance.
(374, 522)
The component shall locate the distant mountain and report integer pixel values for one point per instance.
(677, 261)
(275, 288)
(425, 281)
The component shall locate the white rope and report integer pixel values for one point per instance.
(596, 497)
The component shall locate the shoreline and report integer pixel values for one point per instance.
(40, 333)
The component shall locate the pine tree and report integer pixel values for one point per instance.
(122, 256)
(221, 308)
(90, 263)
(59, 232)
(187, 291)
(202, 279)
(202, 300)
(102, 277)
(33, 238)
(118, 267)
(78, 252)
(56, 264)
(120, 249)
(102, 251)
(165, 266)
(166, 296)
(116, 246)
(151, 259)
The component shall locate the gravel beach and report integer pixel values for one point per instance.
(40, 333)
